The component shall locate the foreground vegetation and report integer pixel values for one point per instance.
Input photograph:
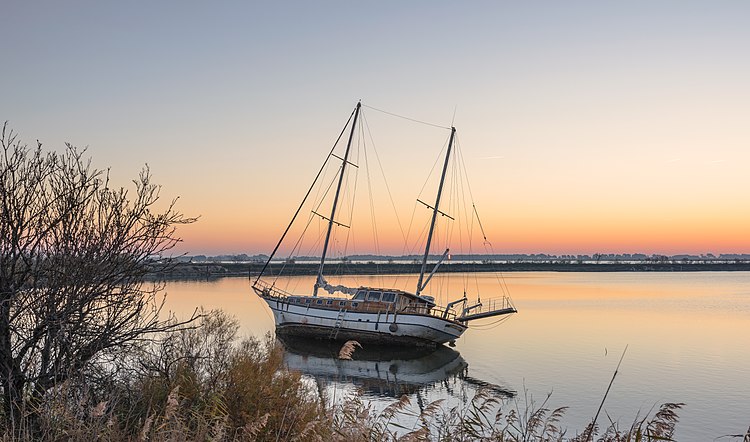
(202, 383)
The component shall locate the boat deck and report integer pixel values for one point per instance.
(491, 307)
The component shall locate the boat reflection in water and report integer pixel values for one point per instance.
(381, 371)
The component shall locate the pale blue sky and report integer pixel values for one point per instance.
(218, 97)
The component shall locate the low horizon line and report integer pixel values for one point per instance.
(575, 255)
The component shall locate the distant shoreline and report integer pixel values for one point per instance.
(213, 270)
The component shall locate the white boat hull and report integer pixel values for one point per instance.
(413, 329)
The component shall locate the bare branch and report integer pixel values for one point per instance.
(73, 255)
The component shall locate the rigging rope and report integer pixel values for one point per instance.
(406, 118)
(486, 243)
(305, 198)
(382, 172)
(491, 325)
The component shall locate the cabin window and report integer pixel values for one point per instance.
(389, 297)
(329, 302)
(373, 296)
(354, 304)
(320, 301)
(342, 303)
(307, 301)
(360, 295)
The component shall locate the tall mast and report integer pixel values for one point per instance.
(336, 200)
(435, 211)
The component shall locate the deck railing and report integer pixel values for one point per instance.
(488, 307)
(267, 290)
(436, 311)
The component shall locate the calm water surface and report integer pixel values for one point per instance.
(688, 338)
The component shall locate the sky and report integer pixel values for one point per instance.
(586, 127)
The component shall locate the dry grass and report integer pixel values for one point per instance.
(193, 385)
(203, 385)
(482, 420)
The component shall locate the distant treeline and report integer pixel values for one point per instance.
(596, 258)
(213, 269)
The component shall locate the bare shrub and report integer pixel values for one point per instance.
(73, 255)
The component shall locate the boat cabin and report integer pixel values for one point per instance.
(368, 299)
(394, 300)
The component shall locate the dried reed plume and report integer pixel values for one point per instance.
(347, 350)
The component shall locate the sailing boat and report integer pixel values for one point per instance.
(374, 314)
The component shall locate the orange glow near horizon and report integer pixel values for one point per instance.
(552, 236)
(580, 222)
